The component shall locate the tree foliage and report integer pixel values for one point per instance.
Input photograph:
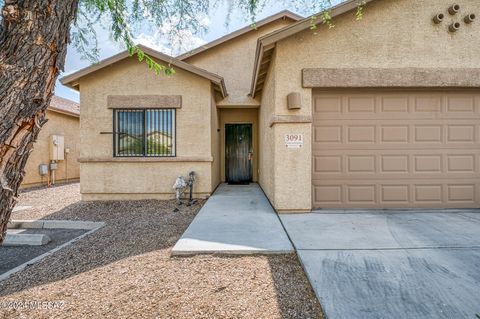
(124, 18)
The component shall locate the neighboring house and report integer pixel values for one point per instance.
(63, 127)
(378, 113)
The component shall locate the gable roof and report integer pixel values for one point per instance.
(61, 105)
(71, 80)
(285, 14)
(267, 43)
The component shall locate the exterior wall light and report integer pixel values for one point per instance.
(294, 101)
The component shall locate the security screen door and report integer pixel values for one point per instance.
(238, 153)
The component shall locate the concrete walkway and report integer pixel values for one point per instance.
(399, 264)
(237, 219)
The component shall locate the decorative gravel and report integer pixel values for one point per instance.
(124, 270)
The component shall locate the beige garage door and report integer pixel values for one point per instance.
(396, 149)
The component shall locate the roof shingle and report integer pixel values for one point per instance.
(62, 105)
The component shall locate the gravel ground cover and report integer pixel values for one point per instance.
(124, 270)
(13, 256)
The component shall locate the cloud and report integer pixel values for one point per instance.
(170, 40)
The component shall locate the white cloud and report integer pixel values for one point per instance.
(168, 39)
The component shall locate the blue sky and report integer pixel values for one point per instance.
(216, 23)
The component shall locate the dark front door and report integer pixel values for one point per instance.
(238, 153)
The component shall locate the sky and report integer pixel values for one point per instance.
(216, 27)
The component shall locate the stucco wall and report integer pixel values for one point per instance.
(392, 34)
(239, 116)
(234, 61)
(215, 136)
(102, 174)
(58, 124)
(266, 158)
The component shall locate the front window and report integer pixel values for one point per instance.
(144, 132)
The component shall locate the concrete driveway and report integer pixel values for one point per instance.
(391, 264)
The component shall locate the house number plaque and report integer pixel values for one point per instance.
(293, 140)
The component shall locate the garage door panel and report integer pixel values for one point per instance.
(412, 149)
(398, 194)
(353, 164)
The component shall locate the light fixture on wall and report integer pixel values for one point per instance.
(294, 101)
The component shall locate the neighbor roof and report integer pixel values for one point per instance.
(266, 44)
(285, 14)
(71, 80)
(61, 105)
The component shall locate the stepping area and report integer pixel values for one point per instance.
(237, 219)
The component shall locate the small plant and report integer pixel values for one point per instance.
(327, 19)
(360, 10)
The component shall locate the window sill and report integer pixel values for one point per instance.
(147, 159)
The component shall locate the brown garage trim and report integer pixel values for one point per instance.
(386, 78)
(290, 119)
(144, 101)
(196, 159)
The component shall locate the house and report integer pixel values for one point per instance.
(377, 113)
(62, 128)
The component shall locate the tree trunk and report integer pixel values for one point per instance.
(33, 43)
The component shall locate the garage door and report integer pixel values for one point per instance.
(396, 149)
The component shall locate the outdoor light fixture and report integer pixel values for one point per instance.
(294, 101)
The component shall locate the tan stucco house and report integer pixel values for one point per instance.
(383, 112)
(55, 154)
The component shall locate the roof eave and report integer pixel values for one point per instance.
(61, 111)
(71, 80)
(274, 37)
(280, 15)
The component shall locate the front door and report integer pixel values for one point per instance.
(238, 153)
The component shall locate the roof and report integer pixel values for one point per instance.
(71, 80)
(61, 105)
(285, 14)
(267, 43)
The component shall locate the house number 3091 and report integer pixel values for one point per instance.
(293, 140)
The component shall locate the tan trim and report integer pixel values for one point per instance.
(234, 106)
(399, 77)
(147, 159)
(290, 119)
(269, 41)
(72, 79)
(62, 111)
(293, 211)
(281, 15)
(144, 101)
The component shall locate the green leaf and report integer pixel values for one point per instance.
(140, 55)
